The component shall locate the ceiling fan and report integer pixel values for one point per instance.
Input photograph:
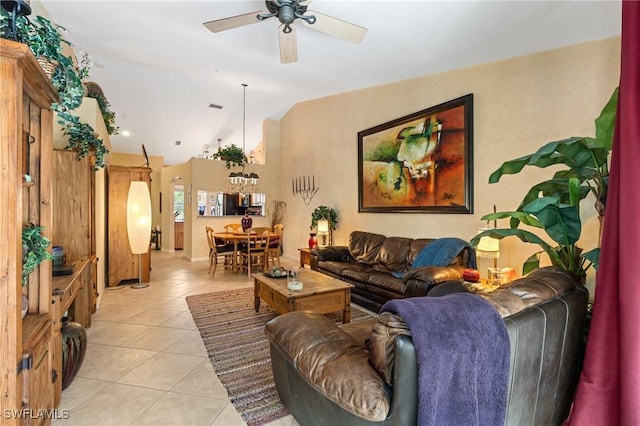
(287, 11)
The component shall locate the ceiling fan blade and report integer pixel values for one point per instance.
(336, 27)
(288, 45)
(305, 2)
(232, 22)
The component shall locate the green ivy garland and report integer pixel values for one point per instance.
(45, 40)
(108, 116)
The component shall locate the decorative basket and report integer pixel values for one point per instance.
(47, 65)
(93, 88)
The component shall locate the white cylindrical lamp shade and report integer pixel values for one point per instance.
(139, 217)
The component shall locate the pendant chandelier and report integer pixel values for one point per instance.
(239, 180)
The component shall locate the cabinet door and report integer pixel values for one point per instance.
(37, 385)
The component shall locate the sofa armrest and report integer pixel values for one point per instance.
(331, 361)
(420, 280)
(329, 253)
(335, 253)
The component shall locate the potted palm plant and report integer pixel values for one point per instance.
(553, 205)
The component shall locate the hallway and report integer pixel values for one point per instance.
(145, 362)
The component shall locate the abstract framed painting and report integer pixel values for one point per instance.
(420, 163)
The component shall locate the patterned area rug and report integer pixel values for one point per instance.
(233, 333)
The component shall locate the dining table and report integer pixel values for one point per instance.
(235, 238)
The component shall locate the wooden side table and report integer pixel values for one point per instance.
(305, 256)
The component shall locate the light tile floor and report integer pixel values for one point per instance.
(145, 362)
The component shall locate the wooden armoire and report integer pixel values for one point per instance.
(26, 132)
(122, 265)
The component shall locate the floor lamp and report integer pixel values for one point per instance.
(139, 223)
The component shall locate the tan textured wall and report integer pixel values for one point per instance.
(519, 104)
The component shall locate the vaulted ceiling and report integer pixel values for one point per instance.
(160, 68)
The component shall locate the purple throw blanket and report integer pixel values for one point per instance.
(462, 348)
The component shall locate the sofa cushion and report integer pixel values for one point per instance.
(357, 272)
(387, 281)
(364, 246)
(333, 266)
(416, 247)
(392, 256)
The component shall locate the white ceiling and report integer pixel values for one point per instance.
(160, 68)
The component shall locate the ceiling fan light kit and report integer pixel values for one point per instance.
(287, 11)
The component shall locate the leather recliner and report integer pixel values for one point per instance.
(324, 374)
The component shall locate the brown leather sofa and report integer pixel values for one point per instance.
(325, 373)
(380, 267)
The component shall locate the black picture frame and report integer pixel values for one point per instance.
(419, 163)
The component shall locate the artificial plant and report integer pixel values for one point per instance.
(45, 40)
(324, 212)
(108, 116)
(34, 250)
(554, 205)
(232, 155)
(83, 139)
(276, 211)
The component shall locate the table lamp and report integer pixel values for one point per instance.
(489, 248)
(323, 229)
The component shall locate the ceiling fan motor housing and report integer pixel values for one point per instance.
(287, 11)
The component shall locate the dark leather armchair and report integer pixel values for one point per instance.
(325, 376)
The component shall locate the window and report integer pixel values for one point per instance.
(178, 203)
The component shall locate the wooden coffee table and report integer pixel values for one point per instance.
(321, 293)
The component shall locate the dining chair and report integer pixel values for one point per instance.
(254, 254)
(275, 245)
(218, 249)
(233, 227)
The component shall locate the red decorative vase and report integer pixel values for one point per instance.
(313, 241)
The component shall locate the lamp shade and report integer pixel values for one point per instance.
(488, 247)
(139, 217)
(323, 226)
